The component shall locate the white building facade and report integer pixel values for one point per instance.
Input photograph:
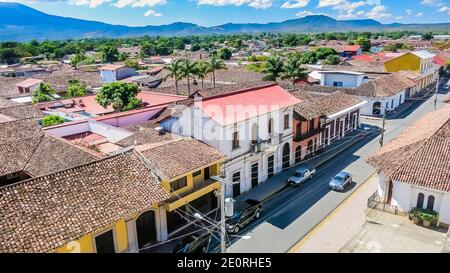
(257, 146)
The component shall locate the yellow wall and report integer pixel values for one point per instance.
(86, 243)
(405, 62)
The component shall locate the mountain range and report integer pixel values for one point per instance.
(21, 23)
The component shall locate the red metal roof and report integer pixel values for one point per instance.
(238, 106)
(352, 48)
(439, 60)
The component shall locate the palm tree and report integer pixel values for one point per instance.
(274, 68)
(215, 64)
(174, 70)
(188, 69)
(293, 70)
(202, 69)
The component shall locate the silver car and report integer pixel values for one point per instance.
(300, 176)
(340, 181)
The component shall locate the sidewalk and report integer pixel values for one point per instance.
(278, 182)
(341, 225)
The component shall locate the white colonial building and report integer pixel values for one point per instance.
(112, 73)
(252, 127)
(384, 93)
(414, 168)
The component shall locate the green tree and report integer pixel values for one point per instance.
(77, 59)
(188, 70)
(293, 70)
(308, 57)
(174, 71)
(274, 67)
(225, 53)
(52, 120)
(364, 42)
(215, 64)
(76, 88)
(323, 52)
(131, 63)
(110, 54)
(122, 96)
(202, 70)
(427, 36)
(9, 55)
(43, 92)
(332, 59)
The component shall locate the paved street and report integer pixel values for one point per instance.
(294, 212)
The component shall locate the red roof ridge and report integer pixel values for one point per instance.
(239, 91)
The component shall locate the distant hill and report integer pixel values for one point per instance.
(22, 23)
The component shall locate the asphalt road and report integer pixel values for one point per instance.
(290, 214)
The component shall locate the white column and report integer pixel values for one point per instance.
(133, 246)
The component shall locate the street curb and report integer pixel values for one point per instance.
(311, 232)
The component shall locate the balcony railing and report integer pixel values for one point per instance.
(197, 186)
(309, 134)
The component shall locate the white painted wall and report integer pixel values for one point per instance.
(397, 100)
(405, 196)
(348, 80)
(108, 76)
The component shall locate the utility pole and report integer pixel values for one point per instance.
(437, 91)
(386, 111)
(223, 230)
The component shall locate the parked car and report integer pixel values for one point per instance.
(301, 175)
(243, 216)
(193, 244)
(340, 181)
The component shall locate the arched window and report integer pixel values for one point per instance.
(310, 149)
(430, 203)
(420, 200)
(298, 154)
(376, 108)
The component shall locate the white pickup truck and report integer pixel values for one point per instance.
(300, 176)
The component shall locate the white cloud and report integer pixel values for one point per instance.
(90, 3)
(408, 11)
(295, 4)
(398, 17)
(139, 3)
(151, 12)
(444, 9)
(433, 3)
(419, 14)
(257, 4)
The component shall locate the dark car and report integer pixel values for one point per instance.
(193, 244)
(243, 216)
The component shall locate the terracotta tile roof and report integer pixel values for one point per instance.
(21, 111)
(29, 83)
(41, 214)
(18, 141)
(173, 158)
(7, 103)
(421, 154)
(385, 86)
(112, 67)
(146, 135)
(315, 103)
(25, 147)
(352, 48)
(54, 154)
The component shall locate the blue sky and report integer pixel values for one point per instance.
(216, 12)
